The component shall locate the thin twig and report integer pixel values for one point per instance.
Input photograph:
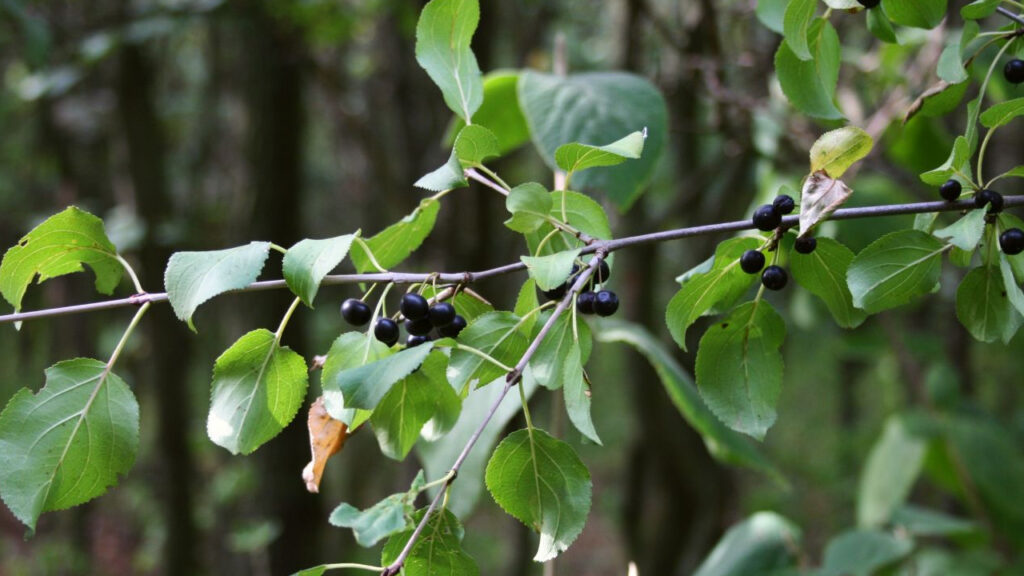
(470, 277)
(1015, 17)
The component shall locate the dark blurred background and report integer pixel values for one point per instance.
(205, 124)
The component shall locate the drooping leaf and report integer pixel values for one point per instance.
(192, 278)
(916, 13)
(596, 107)
(958, 162)
(823, 273)
(59, 246)
(474, 144)
(761, 544)
(530, 205)
(540, 481)
(575, 156)
(820, 197)
(576, 391)
(447, 176)
(983, 306)
(499, 113)
(739, 368)
(796, 22)
(364, 386)
(496, 334)
(771, 13)
(722, 285)
(526, 303)
(68, 443)
(810, 85)
(1013, 290)
(438, 551)
(306, 263)
(863, 552)
(395, 243)
(326, 438)
(443, 35)
(1002, 113)
(580, 212)
(892, 469)
(966, 232)
(258, 387)
(548, 363)
(552, 270)
(894, 270)
(837, 150)
(880, 26)
(381, 520)
(348, 352)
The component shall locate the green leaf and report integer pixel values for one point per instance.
(596, 107)
(69, 442)
(446, 177)
(395, 243)
(723, 284)
(314, 571)
(258, 387)
(349, 351)
(895, 269)
(771, 13)
(722, 443)
(443, 35)
(526, 303)
(530, 205)
(541, 481)
(550, 271)
(380, 520)
(958, 161)
(474, 144)
(1002, 113)
(844, 4)
(983, 306)
(758, 545)
(548, 363)
(576, 392)
(796, 23)
(59, 246)
(863, 552)
(410, 404)
(496, 334)
(365, 386)
(1013, 290)
(879, 25)
(436, 552)
(916, 13)
(823, 273)
(499, 113)
(580, 212)
(739, 368)
(891, 470)
(837, 150)
(192, 278)
(306, 263)
(966, 232)
(979, 9)
(575, 157)
(811, 85)
(924, 522)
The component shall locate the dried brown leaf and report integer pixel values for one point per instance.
(326, 438)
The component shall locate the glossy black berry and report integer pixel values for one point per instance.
(1012, 241)
(442, 314)
(767, 218)
(1014, 71)
(355, 312)
(420, 327)
(585, 302)
(805, 244)
(994, 200)
(414, 341)
(556, 293)
(950, 190)
(784, 204)
(752, 261)
(606, 303)
(869, 3)
(386, 331)
(414, 306)
(453, 328)
(774, 278)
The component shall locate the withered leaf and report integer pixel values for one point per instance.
(820, 197)
(326, 438)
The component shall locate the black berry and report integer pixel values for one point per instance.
(1012, 241)
(993, 199)
(805, 244)
(767, 218)
(415, 340)
(452, 329)
(869, 3)
(950, 190)
(774, 278)
(784, 204)
(585, 302)
(386, 331)
(420, 327)
(752, 261)
(606, 303)
(1014, 71)
(355, 312)
(414, 306)
(556, 293)
(442, 314)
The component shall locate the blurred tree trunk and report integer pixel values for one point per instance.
(275, 90)
(168, 338)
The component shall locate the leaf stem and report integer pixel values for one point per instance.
(350, 566)
(284, 321)
(131, 273)
(483, 355)
(496, 178)
(526, 407)
(277, 248)
(369, 254)
(124, 337)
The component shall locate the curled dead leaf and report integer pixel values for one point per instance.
(326, 438)
(821, 196)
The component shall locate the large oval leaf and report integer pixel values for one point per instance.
(443, 34)
(895, 269)
(192, 278)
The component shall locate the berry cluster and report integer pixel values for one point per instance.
(421, 318)
(589, 301)
(769, 216)
(951, 190)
